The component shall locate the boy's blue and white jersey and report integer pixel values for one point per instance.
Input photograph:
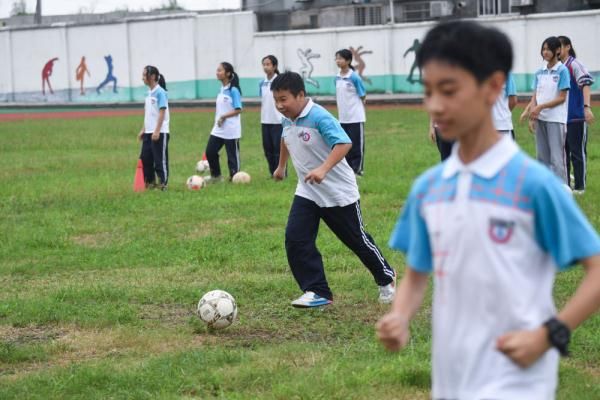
(229, 99)
(155, 100)
(349, 89)
(493, 233)
(309, 140)
(501, 112)
(548, 83)
(268, 111)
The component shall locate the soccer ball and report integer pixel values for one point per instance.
(195, 182)
(241, 177)
(218, 309)
(202, 166)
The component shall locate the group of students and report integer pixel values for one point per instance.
(227, 129)
(490, 224)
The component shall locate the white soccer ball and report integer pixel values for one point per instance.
(202, 166)
(241, 177)
(218, 309)
(195, 182)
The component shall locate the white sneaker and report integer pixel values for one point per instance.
(578, 192)
(387, 292)
(310, 299)
(209, 180)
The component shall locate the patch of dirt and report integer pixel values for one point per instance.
(92, 240)
(29, 334)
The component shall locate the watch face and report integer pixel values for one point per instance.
(562, 335)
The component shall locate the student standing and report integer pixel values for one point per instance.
(492, 226)
(326, 191)
(350, 96)
(579, 115)
(227, 130)
(270, 118)
(502, 110)
(548, 109)
(155, 132)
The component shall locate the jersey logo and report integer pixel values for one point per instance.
(305, 136)
(555, 78)
(152, 100)
(500, 230)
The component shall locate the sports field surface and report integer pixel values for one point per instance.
(98, 284)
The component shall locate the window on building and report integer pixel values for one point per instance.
(367, 15)
(493, 7)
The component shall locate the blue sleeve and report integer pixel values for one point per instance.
(161, 99)
(236, 98)
(564, 82)
(561, 229)
(511, 88)
(358, 83)
(332, 132)
(260, 85)
(410, 235)
(535, 81)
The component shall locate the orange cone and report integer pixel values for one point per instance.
(138, 181)
(203, 156)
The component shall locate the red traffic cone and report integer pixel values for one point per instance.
(203, 156)
(138, 181)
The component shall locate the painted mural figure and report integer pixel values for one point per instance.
(80, 72)
(360, 63)
(46, 73)
(415, 47)
(307, 68)
(109, 75)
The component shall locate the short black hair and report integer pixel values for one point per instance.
(554, 44)
(289, 80)
(469, 45)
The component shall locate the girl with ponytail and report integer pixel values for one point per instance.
(154, 135)
(227, 129)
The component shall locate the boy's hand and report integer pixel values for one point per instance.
(524, 347)
(155, 136)
(316, 175)
(279, 174)
(392, 331)
(220, 121)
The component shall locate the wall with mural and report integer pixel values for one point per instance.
(104, 63)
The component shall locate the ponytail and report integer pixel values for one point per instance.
(565, 41)
(234, 80)
(161, 81)
(158, 77)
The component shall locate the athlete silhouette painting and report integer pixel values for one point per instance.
(46, 73)
(109, 76)
(80, 72)
(360, 64)
(307, 68)
(415, 47)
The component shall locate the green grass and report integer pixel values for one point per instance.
(99, 284)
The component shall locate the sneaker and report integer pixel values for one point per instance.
(310, 299)
(209, 180)
(387, 292)
(578, 192)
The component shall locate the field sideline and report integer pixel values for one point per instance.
(99, 284)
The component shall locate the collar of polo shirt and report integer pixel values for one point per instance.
(486, 165)
(554, 67)
(304, 111)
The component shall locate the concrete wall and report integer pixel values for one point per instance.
(187, 49)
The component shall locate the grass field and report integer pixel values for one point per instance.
(99, 284)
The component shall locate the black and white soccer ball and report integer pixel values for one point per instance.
(217, 309)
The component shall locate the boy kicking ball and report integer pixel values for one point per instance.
(492, 225)
(326, 190)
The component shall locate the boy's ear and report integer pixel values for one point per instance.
(495, 84)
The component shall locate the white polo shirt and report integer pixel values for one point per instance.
(155, 100)
(493, 233)
(349, 89)
(268, 111)
(229, 99)
(501, 113)
(309, 140)
(548, 83)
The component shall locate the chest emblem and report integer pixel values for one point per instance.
(555, 78)
(305, 136)
(500, 230)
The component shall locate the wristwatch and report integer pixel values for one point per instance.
(559, 335)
